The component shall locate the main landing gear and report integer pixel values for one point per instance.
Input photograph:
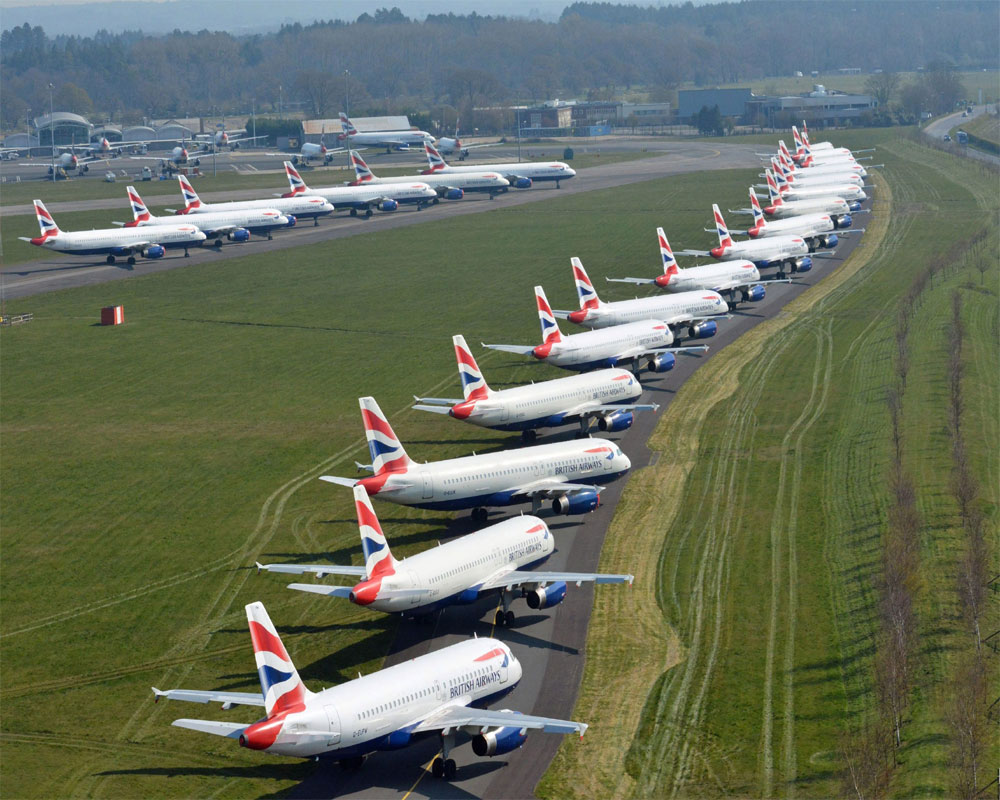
(479, 514)
(504, 616)
(110, 259)
(442, 766)
(131, 261)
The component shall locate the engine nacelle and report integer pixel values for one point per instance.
(551, 595)
(661, 362)
(804, 264)
(582, 502)
(388, 205)
(499, 741)
(830, 240)
(754, 293)
(854, 205)
(239, 235)
(454, 193)
(155, 251)
(291, 221)
(703, 330)
(468, 596)
(844, 221)
(521, 183)
(616, 421)
(397, 739)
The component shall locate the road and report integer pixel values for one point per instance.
(937, 128)
(64, 272)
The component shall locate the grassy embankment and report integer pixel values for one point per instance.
(755, 538)
(145, 468)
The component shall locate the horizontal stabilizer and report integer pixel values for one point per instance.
(524, 350)
(226, 698)
(641, 281)
(230, 730)
(693, 253)
(319, 588)
(438, 401)
(315, 569)
(349, 482)
(432, 409)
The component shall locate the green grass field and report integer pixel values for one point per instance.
(763, 518)
(145, 468)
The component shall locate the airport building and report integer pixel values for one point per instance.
(731, 102)
(822, 107)
(62, 126)
(315, 129)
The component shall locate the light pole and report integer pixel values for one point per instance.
(52, 134)
(519, 134)
(280, 115)
(253, 119)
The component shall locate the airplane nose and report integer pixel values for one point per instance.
(514, 670)
(626, 461)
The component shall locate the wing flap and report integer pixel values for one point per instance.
(518, 577)
(463, 717)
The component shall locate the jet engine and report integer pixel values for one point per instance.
(388, 205)
(291, 221)
(551, 595)
(155, 251)
(616, 421)
(753, 294)
(830, 240)
(804, 264)
(239, 235)
(844, 221)
(582, 502)
(520, 182)
(661, 362)
(498, 741)
(454, 193)
(703, 330)
(854, 205)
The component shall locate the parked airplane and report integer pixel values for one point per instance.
(816, 229)
(520, 174)
(448, 146)
(390, 140)
(783, 251)
(236, 225)
(310, 150)
(451, 187)
(567, 473)
(179, 156)
(780, 208)
(737, 280)
(223, 138)
(807, 177)
(843, 167)
(114, 242)
(363, 198)
(492, 561)
(605, 396)
(848, 191)
(820, 150)
(293, 207)
(827, 160)
(622, 345)
(438, 694)
(696, 311)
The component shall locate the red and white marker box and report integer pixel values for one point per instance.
(113, 315)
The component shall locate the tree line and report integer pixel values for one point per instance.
(388, 63)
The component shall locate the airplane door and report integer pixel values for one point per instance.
(428, 485)
(505, 412)
(414, 599)
(334, 719)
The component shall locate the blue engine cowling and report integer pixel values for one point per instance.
(703, 330)
(754, 293)
(388, 205)
(804, 264)
(844, 221)
(551, 595)
(854, 205)
(521, 183)
(397, 739)
(830, 240)
(468, 596)
(582, 502)
(616, 421)
(498, 741)
(291, 221)
(155, 251)
(661, 362)
(454, 193)
(240, 235)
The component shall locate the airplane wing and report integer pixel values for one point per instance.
(647, 351)
(231, 730)
(553, 487)
(523, 350)
(464, 717)
(518, 577)
(319, 570)
(227, 699)
(438, 401)
(596, 409)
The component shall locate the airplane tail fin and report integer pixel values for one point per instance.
(473, 383)
(379, 562)
(191, 199)
(139, 211)
(362, 172)
(758, 215)
(347, 126)
(550, 328)
(796, 138)
(772, 189)
(725, 240)
(670, 268)
(295, 181)
(279, 680)
(780, 181)
(584, 287)
(434, 159)
(384, 446)
(46, 224)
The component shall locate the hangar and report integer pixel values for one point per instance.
(64, 127)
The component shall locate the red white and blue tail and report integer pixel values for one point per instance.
(550, 328)
(434, 159)
(362, 173)
(772, 189)
(670, 268)
(294, 180)
(346, 126)
(783, 150)
(384, 446)
(584, 287)
(139, 211)
(758, 215)
(191, 199)
(279, 680)
(46, 224)
(797, 139)
(725, 240)
(473, 383)
(379, 562)
(781, 181)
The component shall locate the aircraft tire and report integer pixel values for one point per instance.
(110, 259)
(437, 767)
(529, 435)
(354, 212)
(131, 260)
(498, 620)
(368, 213)
(450, 769)
(508, 619)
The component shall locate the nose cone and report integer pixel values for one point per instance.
(514, 670)
(623, 462)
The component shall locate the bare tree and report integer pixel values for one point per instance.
(882, 86)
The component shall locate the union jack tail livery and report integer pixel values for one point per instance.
(725, 240)
(670, 269)
(46, 224)
(550, 328)
(584, 288)
(780, 181)
(139, 211)
(386, 451)
(434, 159)
(796, 138)
(379, 562)
(294, 180)
(191, 199)
(772, 189)
(279, 680)
(362, 173)
(473, 383)
(758, 215)
(347, 126)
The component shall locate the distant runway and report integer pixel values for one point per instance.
(64, 272)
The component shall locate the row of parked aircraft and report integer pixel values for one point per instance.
(444, 693)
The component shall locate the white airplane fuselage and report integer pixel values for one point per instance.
(764, 251)
(114, 241)
(806, 178)
(805, 225)
(395, 140)
(255, 220)
(828, 204)
(492, 479)
(535, 170)
(598, 349)
(673, 309)
(355, 196)
(297, 206)
(480, 181)
(847, 191)
(719, 277)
